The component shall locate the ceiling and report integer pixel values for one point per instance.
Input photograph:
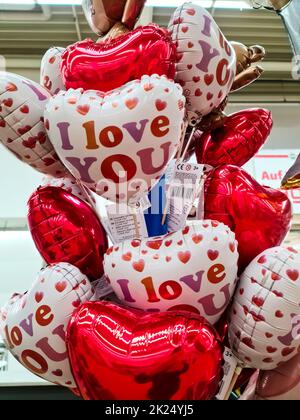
(30, 34)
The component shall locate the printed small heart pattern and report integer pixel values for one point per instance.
(34, 325)
(138, 134)
(206, 62)
(70, 185)
(264, 329)
(199, 272)
(109, 65)
(260, 216)
(123, 354)
(22, 130)
(51, 76)
(237, 141)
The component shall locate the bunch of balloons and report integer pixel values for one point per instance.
(142, 319)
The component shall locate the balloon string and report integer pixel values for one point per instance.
(179, 159)
(233, 382)
(179, 152)
(87, 195)
(187, 145)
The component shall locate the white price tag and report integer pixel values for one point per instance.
(125, 223)
(229, 367)
(170, 172)
(185, 185)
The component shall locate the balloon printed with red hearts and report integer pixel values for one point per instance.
(199, 275)
(51, 75)
(137, 135)
(33, 325)
(71, 186)
(66, 229)
(119, 353)
(237, 141)
(22, 131)
(264, 327)
(206, 62)
(111, 64)
(260, 216)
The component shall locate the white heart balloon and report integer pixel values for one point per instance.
(33, 325)
(118, 143)
(22, 131)
(194, 269)
(206, 64)
(264, 328)
(71, 185)
(51, 77)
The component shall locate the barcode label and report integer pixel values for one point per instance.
(182, 192)
(226, 368)
(185, 185)
(230, 364)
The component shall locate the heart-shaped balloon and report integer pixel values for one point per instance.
(33, 325)
(118, 144)
(194, 270)
(237, 141)
(22, 131)
(260, 216)
(206, 61)
(66, 229)
(51, 76)
(123, 354)
(264, 328)
(109, 65)
(103, 14)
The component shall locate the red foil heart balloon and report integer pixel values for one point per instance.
(122, 354)
(260, 216)
(108, 65)
(237, 141)
(66, 229)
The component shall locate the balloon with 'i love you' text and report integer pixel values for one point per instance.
(193, 270)
(119, 143)
(206, 62)
(33, 325)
